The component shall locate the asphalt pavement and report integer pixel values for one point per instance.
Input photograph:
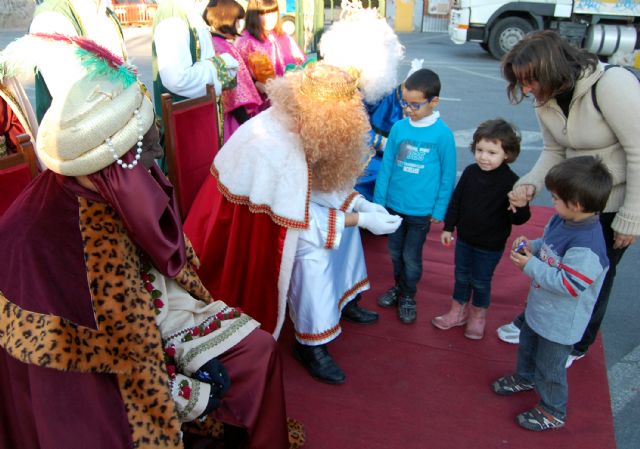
(473, 91)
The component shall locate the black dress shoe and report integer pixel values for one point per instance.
(390, 298)
(356, 314)
(407, 312)
(318, 362)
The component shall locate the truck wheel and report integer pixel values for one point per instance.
(484, 46)
(507, 33)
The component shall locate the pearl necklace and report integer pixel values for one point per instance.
(119, 161)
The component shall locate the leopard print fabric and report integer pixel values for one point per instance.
(297, 435)
(113, 271)
(118, 298)
(192, 257)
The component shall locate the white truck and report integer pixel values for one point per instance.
(601, 26)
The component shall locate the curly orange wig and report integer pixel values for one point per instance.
(334, 132)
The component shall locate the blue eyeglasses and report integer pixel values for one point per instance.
(413, 106)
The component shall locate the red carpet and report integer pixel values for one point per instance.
(416, 387)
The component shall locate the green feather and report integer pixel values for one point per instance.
(97, 66)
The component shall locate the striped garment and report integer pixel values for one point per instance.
(567, 272)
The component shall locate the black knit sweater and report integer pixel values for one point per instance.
(479, 207)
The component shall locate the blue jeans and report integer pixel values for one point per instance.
(542, 362)
(405, 247)
(473, 274)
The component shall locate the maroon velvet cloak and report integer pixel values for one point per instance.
(42, 270)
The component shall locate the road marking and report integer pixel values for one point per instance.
(624, 382)
(423, 38)
(495, 78)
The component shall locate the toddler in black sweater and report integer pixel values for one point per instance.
(479, 211)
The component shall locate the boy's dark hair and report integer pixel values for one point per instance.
(545, 57)
(222, 15)
(426, 81)
(253, 24)
(499, 130)
(583, 180)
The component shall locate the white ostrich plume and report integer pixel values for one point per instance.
(365, 42)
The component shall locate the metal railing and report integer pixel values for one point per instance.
(136, 14)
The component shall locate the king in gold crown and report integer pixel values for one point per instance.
(327, 82)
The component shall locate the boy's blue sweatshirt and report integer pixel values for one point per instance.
(418, 169)
(567, 273)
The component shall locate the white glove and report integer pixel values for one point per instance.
(232, 64)
(362, 205)
(378, 222)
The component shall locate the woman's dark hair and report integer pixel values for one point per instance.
(222, 15)
(583, 180)
(499, 130)
(257, 8)
(545, 57)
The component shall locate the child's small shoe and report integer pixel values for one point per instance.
(407, 311)
(476, 323)
(390, 297)
(509, 333)
(539, 419)
(508, 385)
(456, 316)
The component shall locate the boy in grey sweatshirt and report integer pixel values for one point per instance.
(567, 266)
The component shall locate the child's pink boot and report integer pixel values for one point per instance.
(456, 316)
(476, 323)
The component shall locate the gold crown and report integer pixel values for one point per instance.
(326, 82)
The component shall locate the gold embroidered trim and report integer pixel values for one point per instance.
(331, 235)
(359, 285)
(193, 399)
(211, 343)
(334, 330)
(321, 336)
(347, 202)
(265, 209)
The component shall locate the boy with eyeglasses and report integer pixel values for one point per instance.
(415, 181)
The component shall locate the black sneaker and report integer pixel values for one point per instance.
(508, 385)
(390, 298)
(407, 312)
(539, 419)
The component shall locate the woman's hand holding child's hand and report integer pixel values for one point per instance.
(520, 196)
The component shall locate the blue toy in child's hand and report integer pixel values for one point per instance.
(521, 246)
